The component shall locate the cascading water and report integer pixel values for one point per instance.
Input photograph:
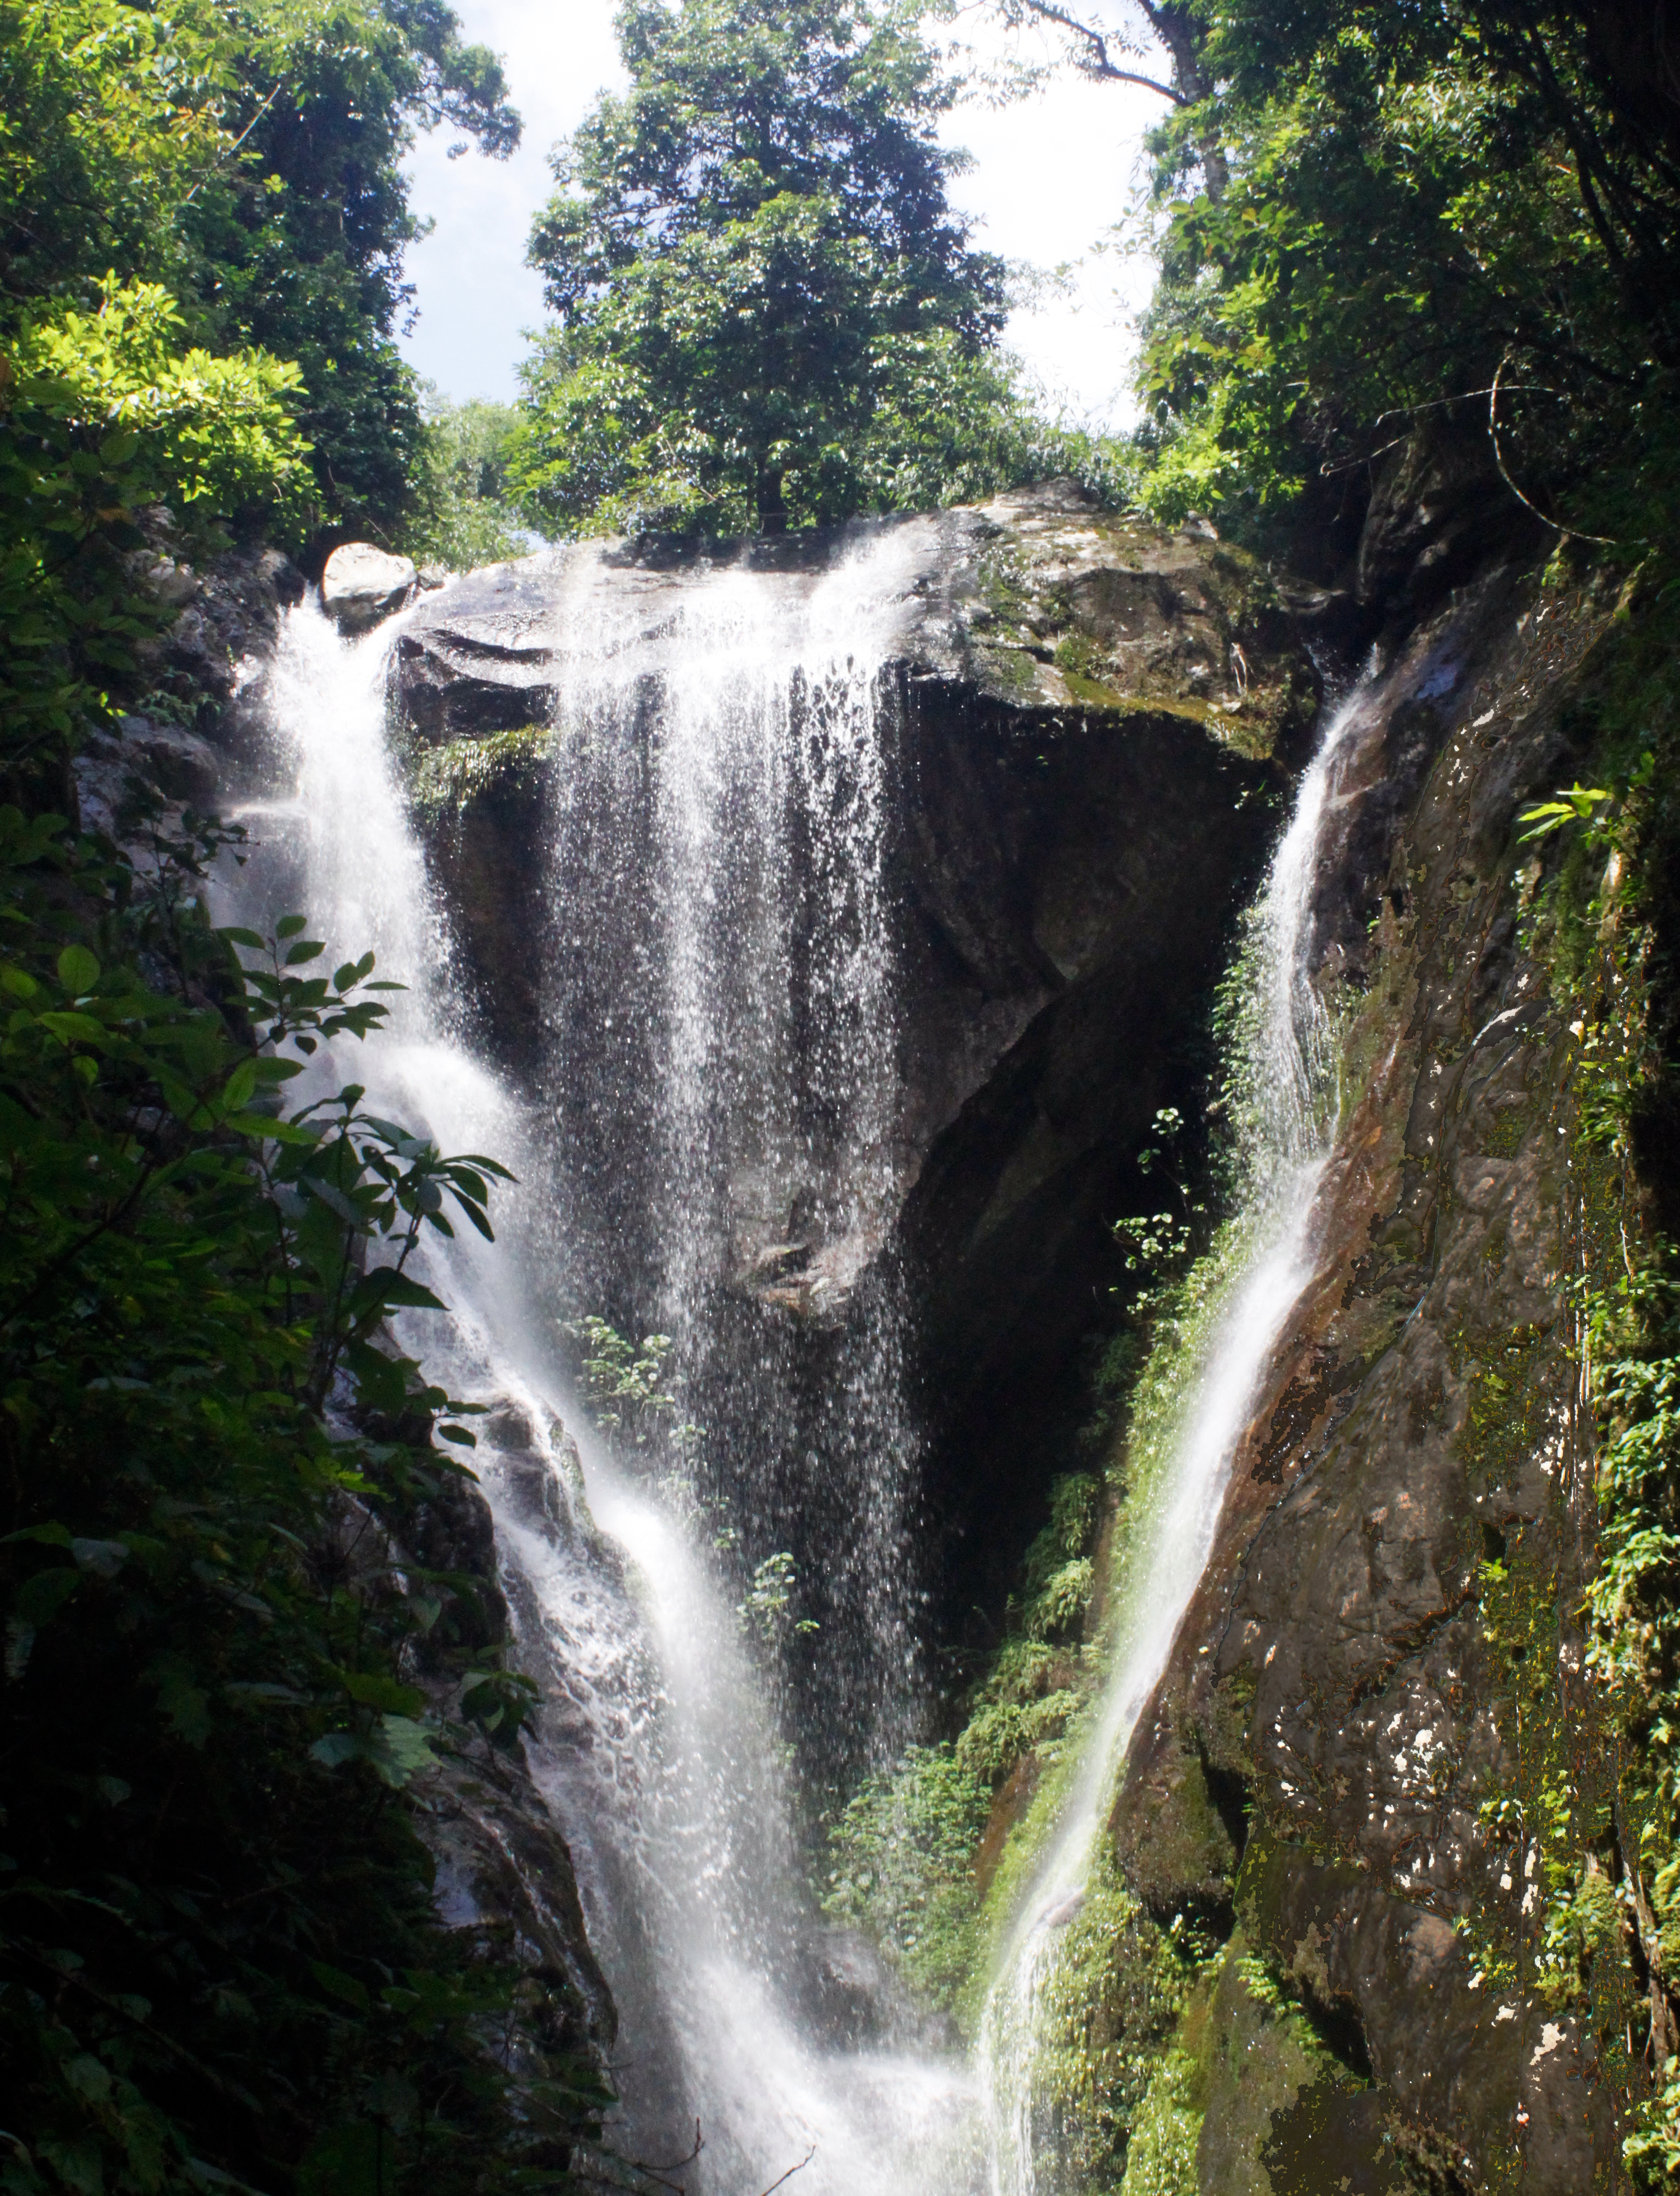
(722, 957)
(716, 1121)
(1287, 1076)
(724, 1064)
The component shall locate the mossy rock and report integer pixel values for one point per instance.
(1178, 1849)
(1281, 2115)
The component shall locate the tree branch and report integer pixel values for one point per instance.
(1097, 62)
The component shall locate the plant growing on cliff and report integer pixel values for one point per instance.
(627, 1386)
(1602, 910)
(217, 1954)
(755, 271)
(901, 1866)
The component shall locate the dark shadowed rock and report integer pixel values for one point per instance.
(1438, 509)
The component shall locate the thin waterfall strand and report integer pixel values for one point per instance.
(1289, 1074)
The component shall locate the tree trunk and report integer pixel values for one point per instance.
(767, 495)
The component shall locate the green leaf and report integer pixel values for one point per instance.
(290, 925)
(342, 1986)
(78, 969)
(42, 1595)
(184, 1703)
(105, 1558)
(385, 1284)
(401, 1750)
(53, 1535)
(76, 1029)
(371, 1689)
(336, 1749)
(237, 1091)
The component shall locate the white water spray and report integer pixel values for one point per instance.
(1289, 1076)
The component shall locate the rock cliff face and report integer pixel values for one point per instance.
(1387, 1644)
(1093, 724)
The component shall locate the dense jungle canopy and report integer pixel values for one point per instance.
(1438, 235)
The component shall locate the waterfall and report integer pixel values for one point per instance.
(724, 1065)
(709, 1145)
(716, 1118)
(1286, 1077)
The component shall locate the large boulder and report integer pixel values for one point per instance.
(362, 584)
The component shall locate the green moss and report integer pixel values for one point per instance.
(1110, 2004)
(444, 780)
(1161, 2157)
(901, 1867)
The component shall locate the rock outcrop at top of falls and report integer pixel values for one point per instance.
(1037, 601)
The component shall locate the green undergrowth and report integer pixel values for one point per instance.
(900, 1866)
(1182, 1316)
(1606, 917)
(220, 1721)
(446, 779)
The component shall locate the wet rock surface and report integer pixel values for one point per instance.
(202, 717)
(1350, 1663)
(1037, 600)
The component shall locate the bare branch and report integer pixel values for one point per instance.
(1096, 60)
(791, 2172)
(1567, 533)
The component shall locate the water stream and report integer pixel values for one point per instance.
(1286, 1080)
(716, 1117)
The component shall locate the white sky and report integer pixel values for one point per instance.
(1051, 176)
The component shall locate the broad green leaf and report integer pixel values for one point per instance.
(78, 969)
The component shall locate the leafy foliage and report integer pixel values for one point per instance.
(246, 159)
(760, 288)
(463, 518)
(901, 1866)
(627, 1386)
(217, 1956)
(1460, 216)
(105, 417)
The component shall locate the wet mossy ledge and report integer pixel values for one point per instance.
(446, 780)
